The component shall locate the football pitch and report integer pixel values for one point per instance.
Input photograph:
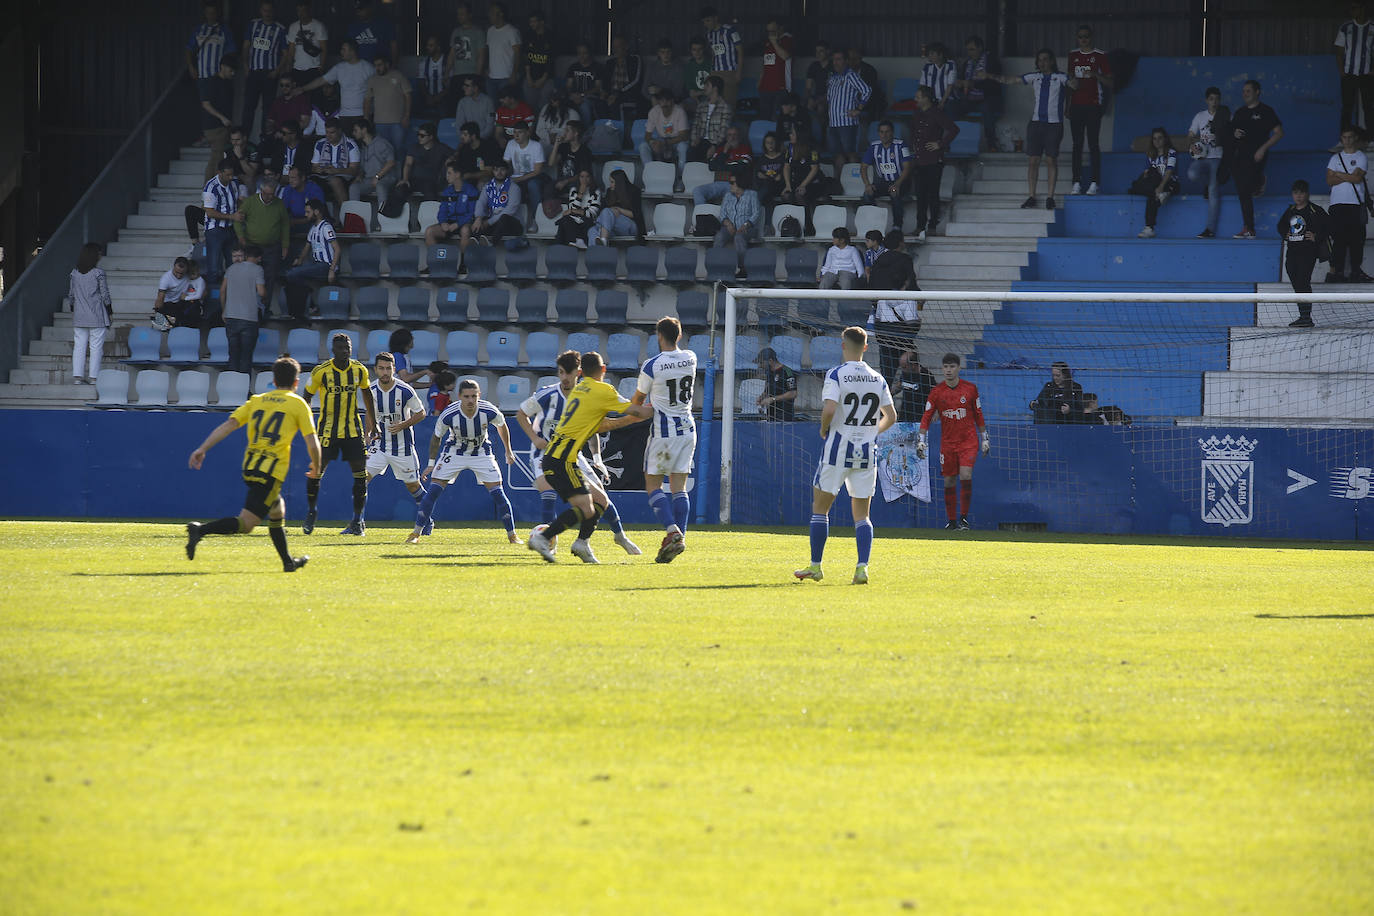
(995, 725)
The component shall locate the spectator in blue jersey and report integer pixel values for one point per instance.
(264, 50)
(886, 171)
(1354, 47)
(220, 197)
(741, 215)
(724, 44)
(216, 104)
(373, 34)
(434, 81)
(379, 167)
(846, 95)
(298, 190)
(1045, 131)
(1159, 180)
(442, 391)
(461, 443)
(457, 210)
(400, 343)
(939, 73)
(1206, 138)
(337, 160)
(499, 207)
(932, 131)
(209, 44)
(398, 409)
(973, 94)
(318, 261)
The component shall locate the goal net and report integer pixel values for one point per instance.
(1109, 411)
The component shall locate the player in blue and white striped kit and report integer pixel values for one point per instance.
(857, 409)
(461, 443)
(538, 417)
(398, 408)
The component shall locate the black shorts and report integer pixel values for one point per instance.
(1043, 138)
(263, 493)
(349, 448)
(564, 476)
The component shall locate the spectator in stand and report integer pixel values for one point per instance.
(92, 310)
(457, 210)
(1255, 128)
(712, 120)
(441, 392)
(171, 290)
(1354, 46)
(475, 106)
(474, 155)
(1061, 397)
(1090, 414)
(319, 261)
(374, 36)
(570, 157)
(266, 226)
(210, 43)
(873, 246)
(351, 75)
(725, 45)
(622, 212)
(791, 116)
(467, 46)
(498, 207)
(939, 73)
(779, 398)
(202, 311)
(1093, 71)
(553, 117)
(423, 171)
(623, 80)
(299, 190)
(264, 50)
(932, 131)
(216, 103)
(734, 152)
(846, 96)
(886, 171)
(220, 197)
(1205, 136)
(1307, 230)
(696, 70)
(325, 105)
(244, 157)
(662, 73)
(583, 83)
(242, 293)
(526, 157)
(768, 170)
(915, 382)
(741, 215)
(775, 82)
(399, 344)
(876, 103)
(307, 42)
(974, 95)
(510, 112)
(802, 180)
(386, 102)
(337, 160)
(818, 74)
(580, 212)
(504, 53)
(895, 321)
(1159, 181)
(434, 76)
(538, 63)
(1345, 175)
(287, 108)
(379, 171)
(665, 132)
(1045, 131)
(843, 265)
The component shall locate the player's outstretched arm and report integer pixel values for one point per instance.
(504, 433)
(536, 440)
(224, 429)
(312, 447)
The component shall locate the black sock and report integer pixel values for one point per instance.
(278, 535)
(589, 524)
(227, 525)
(359, 495)
(568, 519)
(312, 490)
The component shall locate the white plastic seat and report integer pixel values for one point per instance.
(112, 387)
(360, 207)
(782, 211)
(193, 389)
(670, 221)
(264, 382)
(231, 388)
(748, 398)
(511, 391)
(852, 179)
(695, 174)
(872, 216)
(427, 213)
(151, 385)
(631, 169)
(826, 218)
(396, 225)
(659, 178)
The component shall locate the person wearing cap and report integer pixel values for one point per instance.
(779, 398)
(665, 132)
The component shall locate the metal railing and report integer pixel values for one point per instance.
(97, 217)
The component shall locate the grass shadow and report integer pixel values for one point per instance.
(1315, 616)
(709, 588)
(120, 575)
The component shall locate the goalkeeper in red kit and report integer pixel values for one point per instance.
(962, 435)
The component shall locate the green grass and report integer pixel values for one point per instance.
(994, 725)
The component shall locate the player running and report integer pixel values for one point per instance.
(590, 400)
(272, 420)
(398, 409)
(857, 408)
(666, 381)
(540, 413)
(463, 426)
(961, 431)
(341, 381)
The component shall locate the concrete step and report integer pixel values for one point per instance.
(1270, 395)
(136, 254)
(190, 165)
(159, 222)
(166, 206)
(65, 396)
(168, 180)
(985, 211)
(964, 257)
(49, 349)
(183, 196)
(997, 200)
(1016, 171)
(979, 229)
(1300, 349)
(933, 276)
(1017, 185)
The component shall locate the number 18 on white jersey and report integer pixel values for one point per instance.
(668, 380)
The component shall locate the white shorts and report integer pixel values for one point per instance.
(672, 455)
(583, 465)
(405, 467)
(482, 466)
(861, 482)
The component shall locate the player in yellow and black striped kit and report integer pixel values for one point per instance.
(341, 382)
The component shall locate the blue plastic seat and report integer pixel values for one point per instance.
(612, 307)
(403, 261)
(503, 349)
(426, 348)
(443, 261)
(721, 264)
(412, 302)
(372, 303)
(788, 349)
(268, 347)
(453, 304)
(334, 303)
(801, 265)
(583, 342)
(603, 263)
(378, 340)
(761, 265)
(541, 349)
(571, 306)
(641, 264)
(354, 337)
(680, 263)
(303, 345)
(854, 311)
(145, 345)
(825, 353)
(813, 311)
(746, 351)
(447, 132)
(218, 343)
(481, 264)
(183, 345)
(560, 263)
(532, 306)
(365, 260)
(522, 263)
(462, 348)
(493, 305)
(622, 352)
(693, 308)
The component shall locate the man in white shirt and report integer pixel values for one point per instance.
(526, 157)
(307, 43)
(1205, 147)
(170, 290)
(504, 52)
(1345, 175)
(351, 75)
(843, 264)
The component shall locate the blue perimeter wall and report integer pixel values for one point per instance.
(1119, 480)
